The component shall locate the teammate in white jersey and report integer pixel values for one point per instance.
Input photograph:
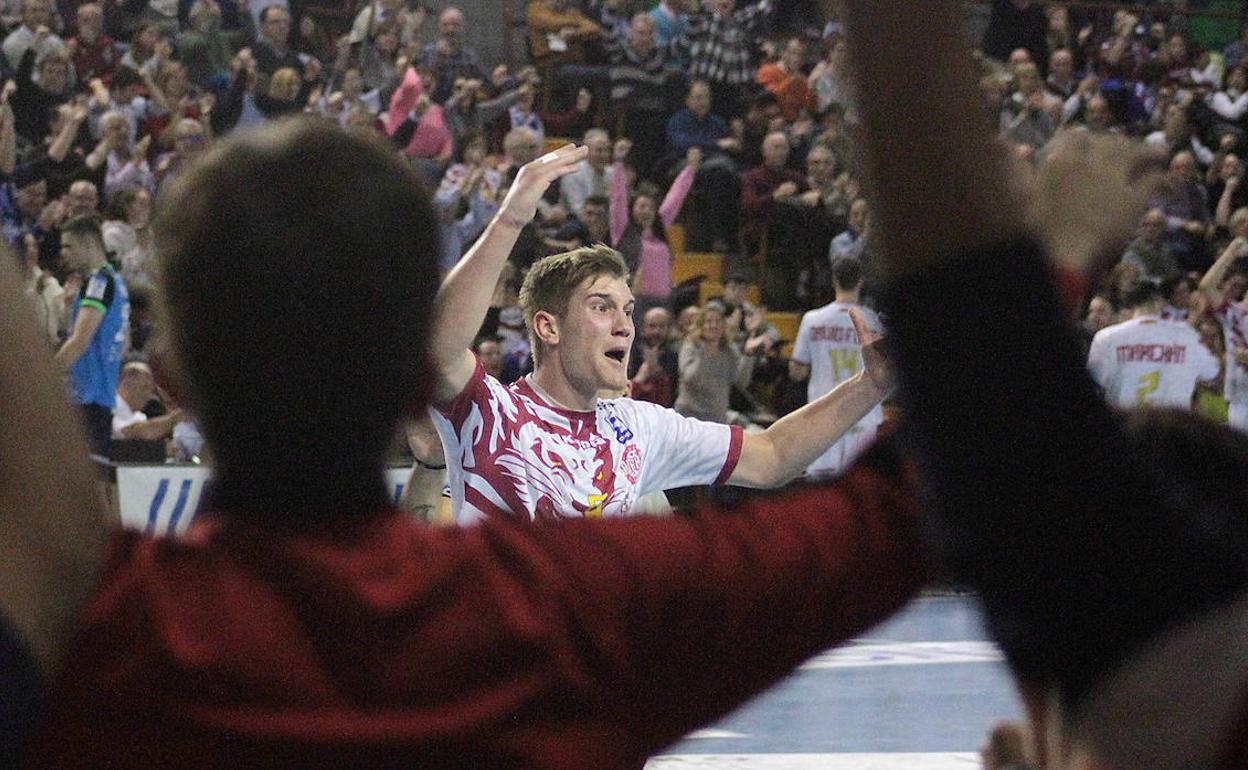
(1147, 361)
(827, 353)
(547, 447)
(1223, 286)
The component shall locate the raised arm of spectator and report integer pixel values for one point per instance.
(465, 294)
(1222, 213)
(672, 203)
(8, 139)
(618, 211)
(1231, 109)
(1081, 548)
(64, 140)
(52, 530)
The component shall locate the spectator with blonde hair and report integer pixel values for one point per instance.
(709, 365)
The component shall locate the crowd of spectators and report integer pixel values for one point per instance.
(736, 119)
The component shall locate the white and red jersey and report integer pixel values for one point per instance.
(827, 343)
(510, 452)
(1150, 361)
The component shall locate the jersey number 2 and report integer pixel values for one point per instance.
(1148, 385)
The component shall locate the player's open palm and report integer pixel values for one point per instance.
(536, 176)
(874, 361)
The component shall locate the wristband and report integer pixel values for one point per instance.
(510, 220)
(427, 466)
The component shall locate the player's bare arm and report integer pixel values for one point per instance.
(52, 530)
(465, 294)
(784, 450)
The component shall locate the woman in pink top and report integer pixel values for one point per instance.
(639, 230)
(416, 125)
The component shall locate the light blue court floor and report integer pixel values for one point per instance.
(919, 692)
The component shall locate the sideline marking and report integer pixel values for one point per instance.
(930, 761)
(906, 654)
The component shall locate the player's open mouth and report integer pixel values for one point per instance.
(616, 355)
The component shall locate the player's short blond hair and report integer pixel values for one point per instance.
(549, 284)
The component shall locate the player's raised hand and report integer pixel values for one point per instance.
(874, 361)
(535, 177)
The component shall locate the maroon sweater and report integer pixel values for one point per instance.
(384, 643)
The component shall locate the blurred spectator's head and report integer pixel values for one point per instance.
(32, 190)
(83, 199)
(847, 274)
(735, 285)
(451, 26)
(1236, 79)
(793, 55)
(1101, 313)
(1097, 114)
(205, 15)
(641, 33)
(36, 13)
(136, 386)
(1061, 65)
(709, 326)
(428, 78)
(1027, 78)
(1175, 51)
(698, 98)
(189, 137)
(762, 109)
(360, 118)
(520, 146)
(90, 18)
(1182, 169)
(1153, 226)
(684, 321)
(146, 36)
(54, 72)
(352, 84)
(275, 24)
(473, 147)
(599, 144)
(126, 85)
(1017, 58)
(173, 82)
(489, 348)
(594, 217)
(656, 325)
(247, 247)
(1179, 290)
(284, 84)
(131, 205)
(82, 244)
(775, 150)
(115, 129)
(859, 215)
(821, 165)
(386, 37)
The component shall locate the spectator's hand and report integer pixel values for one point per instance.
(334, 103)
(1194, 227)
(78, 112)
(1232, 183)
(206, 103)
(10, 88)
(141, 147)
(567, 33)
(1088, 87)
(769, 50)
(1227, 143)
(52, 215)
(693, 158)
(533, 180)
(875, 364)
(498, 78)
(99, 91)
(314, 98)
(810, 198)
(583, 100)
(803, 126)
(1084, 34)
(423, 102)
(729, 144)
(622, 148)
(312, 70)
(528, 74)
(1089, 195)
(785, 190)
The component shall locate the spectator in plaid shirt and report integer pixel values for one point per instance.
(720, 49)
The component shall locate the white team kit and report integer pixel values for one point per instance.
(1234, 318)
(511, 452)
(827, 343)
(1149, 361)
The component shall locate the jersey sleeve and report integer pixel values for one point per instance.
(1210, 367)
(1098, 361)
(98, 292)
(801, 345)
(683, 451)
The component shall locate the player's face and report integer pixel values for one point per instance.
(595, 336)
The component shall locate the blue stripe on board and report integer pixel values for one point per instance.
(183, 494)
(157, 500)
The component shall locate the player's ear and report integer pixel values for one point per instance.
(546, 327)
